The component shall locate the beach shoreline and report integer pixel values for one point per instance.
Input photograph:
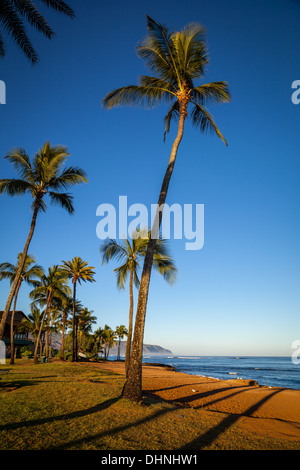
(271, 412)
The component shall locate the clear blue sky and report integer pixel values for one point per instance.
(239, 295)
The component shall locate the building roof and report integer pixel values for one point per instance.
(18, 317)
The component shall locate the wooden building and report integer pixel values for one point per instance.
(20, 339)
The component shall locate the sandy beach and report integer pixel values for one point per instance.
(270, 412)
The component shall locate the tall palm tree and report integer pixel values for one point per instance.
(53, 285)
(12, 16)
(177, 59)
(130, 254)
(43, 176)
(77, 270)
(121, 331)
(29, 274)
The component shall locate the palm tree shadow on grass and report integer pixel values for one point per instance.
(211, 435)
(15, 385)
(87, 439)
(195, 396)
(64, 417)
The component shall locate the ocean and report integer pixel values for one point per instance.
(270, 371)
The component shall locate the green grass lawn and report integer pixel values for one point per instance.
(72, 406)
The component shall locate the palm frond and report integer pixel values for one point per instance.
(14, 187)
(203, 119)
(60, 6)
(135, 95)
(172, 114)
(27, 9)
(211, 92)
(122, 274)
(65, 200)
(191, 51)
(110, 249)
(157, 50)
(2, 47)
(165, 266)
(20, 160)
(69, 176)
(14, 26)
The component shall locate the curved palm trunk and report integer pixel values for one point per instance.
(19, 272)
(133, 385)
(76, 339)
(36, 361)
(128, 342)
(74, 355)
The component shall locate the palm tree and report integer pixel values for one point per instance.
(40, 177)
(85, 320)
(108, 337)
(12, 16)
(51, 286)
(177, 59)
(28, 274)
(77, 270)
(130, 254)
(66, 307)
(33, 324)
(99, 340)
(121, 331)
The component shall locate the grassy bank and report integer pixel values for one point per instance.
(77, 406)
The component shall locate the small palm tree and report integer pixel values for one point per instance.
(43, 176)
(29, 274)
(66, 308)
(130, 254)
(121, 331)
(99, 340)
(108, 338)
(12, 13)
(53, 285)
(33, 325)
(177, 59)
(85, 320)
(77, 270)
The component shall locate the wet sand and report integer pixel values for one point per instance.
(270, 412)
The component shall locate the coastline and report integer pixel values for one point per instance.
(271, 412)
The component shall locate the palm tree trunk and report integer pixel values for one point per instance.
(133, 385)
(119, 349)
(128, 342)
(19, 272)
(12, 352)
(73, 322)
(76, 339)
(36, 361)
(62, 351)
